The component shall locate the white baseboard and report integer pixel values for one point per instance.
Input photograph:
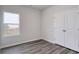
(50, 41)
(17, 43)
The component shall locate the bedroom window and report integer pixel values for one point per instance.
(10, 24)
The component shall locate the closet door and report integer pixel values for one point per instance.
(59, 28)
(70, 18)
(77, 31)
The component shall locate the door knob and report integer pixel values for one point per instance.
(64, 30)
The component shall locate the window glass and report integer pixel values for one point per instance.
(11, 24)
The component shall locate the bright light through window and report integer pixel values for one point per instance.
(11, 24)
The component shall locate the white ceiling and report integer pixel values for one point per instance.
(40, 7)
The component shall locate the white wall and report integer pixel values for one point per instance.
(33, 24)
(29, 25)
(48, 20)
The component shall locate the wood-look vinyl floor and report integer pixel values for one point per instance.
(37, 47)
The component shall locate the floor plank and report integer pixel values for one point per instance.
(37, 47)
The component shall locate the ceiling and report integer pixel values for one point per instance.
(39, 7)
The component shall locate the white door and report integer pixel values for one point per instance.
(70, 40)
(66, 29)
(59, 28)
(77, 31)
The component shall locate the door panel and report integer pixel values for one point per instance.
(58, 28)
(77, 31)
(70, 40)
